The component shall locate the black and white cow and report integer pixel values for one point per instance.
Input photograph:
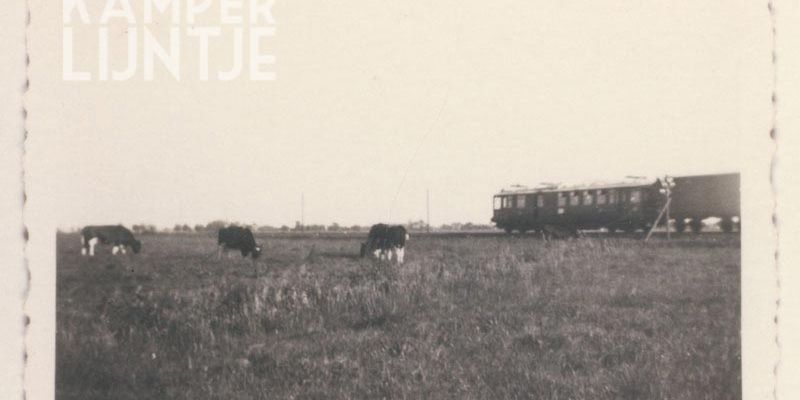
(384, 240)
(117, 235)
(238, 238)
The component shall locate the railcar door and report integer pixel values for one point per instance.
(618, 203)
(547, 208)
(603, 207)
(630, 203)
(532, 211)
(520, 212)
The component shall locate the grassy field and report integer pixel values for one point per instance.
(464, 318)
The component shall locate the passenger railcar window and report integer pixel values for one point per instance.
(498, 203)
(587, 198)
(636, 196)
(562, 200)
(612, 196)
(507, 202)
(520, 201)
(601, 197)
(574, 200)
(540, 200)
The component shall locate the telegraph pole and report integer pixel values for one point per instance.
(666, 189)
(302, 211)
(669, 184)
(669, 199)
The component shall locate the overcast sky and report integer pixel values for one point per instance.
(377, 102)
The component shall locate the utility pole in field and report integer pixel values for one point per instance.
(302, 211)
(666, 189)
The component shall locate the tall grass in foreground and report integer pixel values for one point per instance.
(463, 318)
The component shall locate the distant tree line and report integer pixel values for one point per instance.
(469, 226)
(214, 226)
(144, 228)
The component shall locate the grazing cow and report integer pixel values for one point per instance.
(116, 235)
(383, 240)
(238, 238)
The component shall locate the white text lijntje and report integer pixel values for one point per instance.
(223, 43)
(240, 42)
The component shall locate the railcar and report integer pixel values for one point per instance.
(626, 205)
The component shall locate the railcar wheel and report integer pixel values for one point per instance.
(611, 229)
(696, 225)
(508, 230)
(726, 224)
(680, 225)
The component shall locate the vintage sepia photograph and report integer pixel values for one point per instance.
(271, 199)
(577, 291)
